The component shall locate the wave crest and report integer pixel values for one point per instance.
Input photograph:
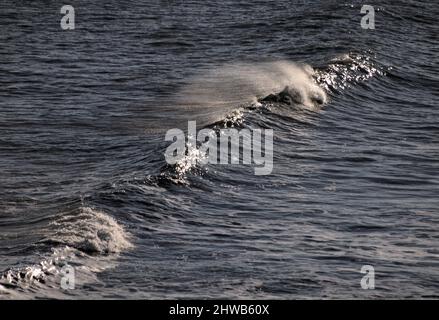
(92, 232)
(76, 239)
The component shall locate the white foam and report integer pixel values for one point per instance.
(91, 231)
(81, 237)
(240, 83)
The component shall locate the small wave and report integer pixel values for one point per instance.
(90, 231)
(45, 272)
(76, 239)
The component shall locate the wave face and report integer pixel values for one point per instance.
(87, 239)
(90, 231)
(84, 182)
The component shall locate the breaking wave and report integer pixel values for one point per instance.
(242, 83)
(246, 87)
(90, 231)
(87, 239)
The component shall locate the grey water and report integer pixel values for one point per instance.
(84, 182)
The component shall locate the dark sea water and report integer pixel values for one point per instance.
(83, 178)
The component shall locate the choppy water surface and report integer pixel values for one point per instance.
(83, 116)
